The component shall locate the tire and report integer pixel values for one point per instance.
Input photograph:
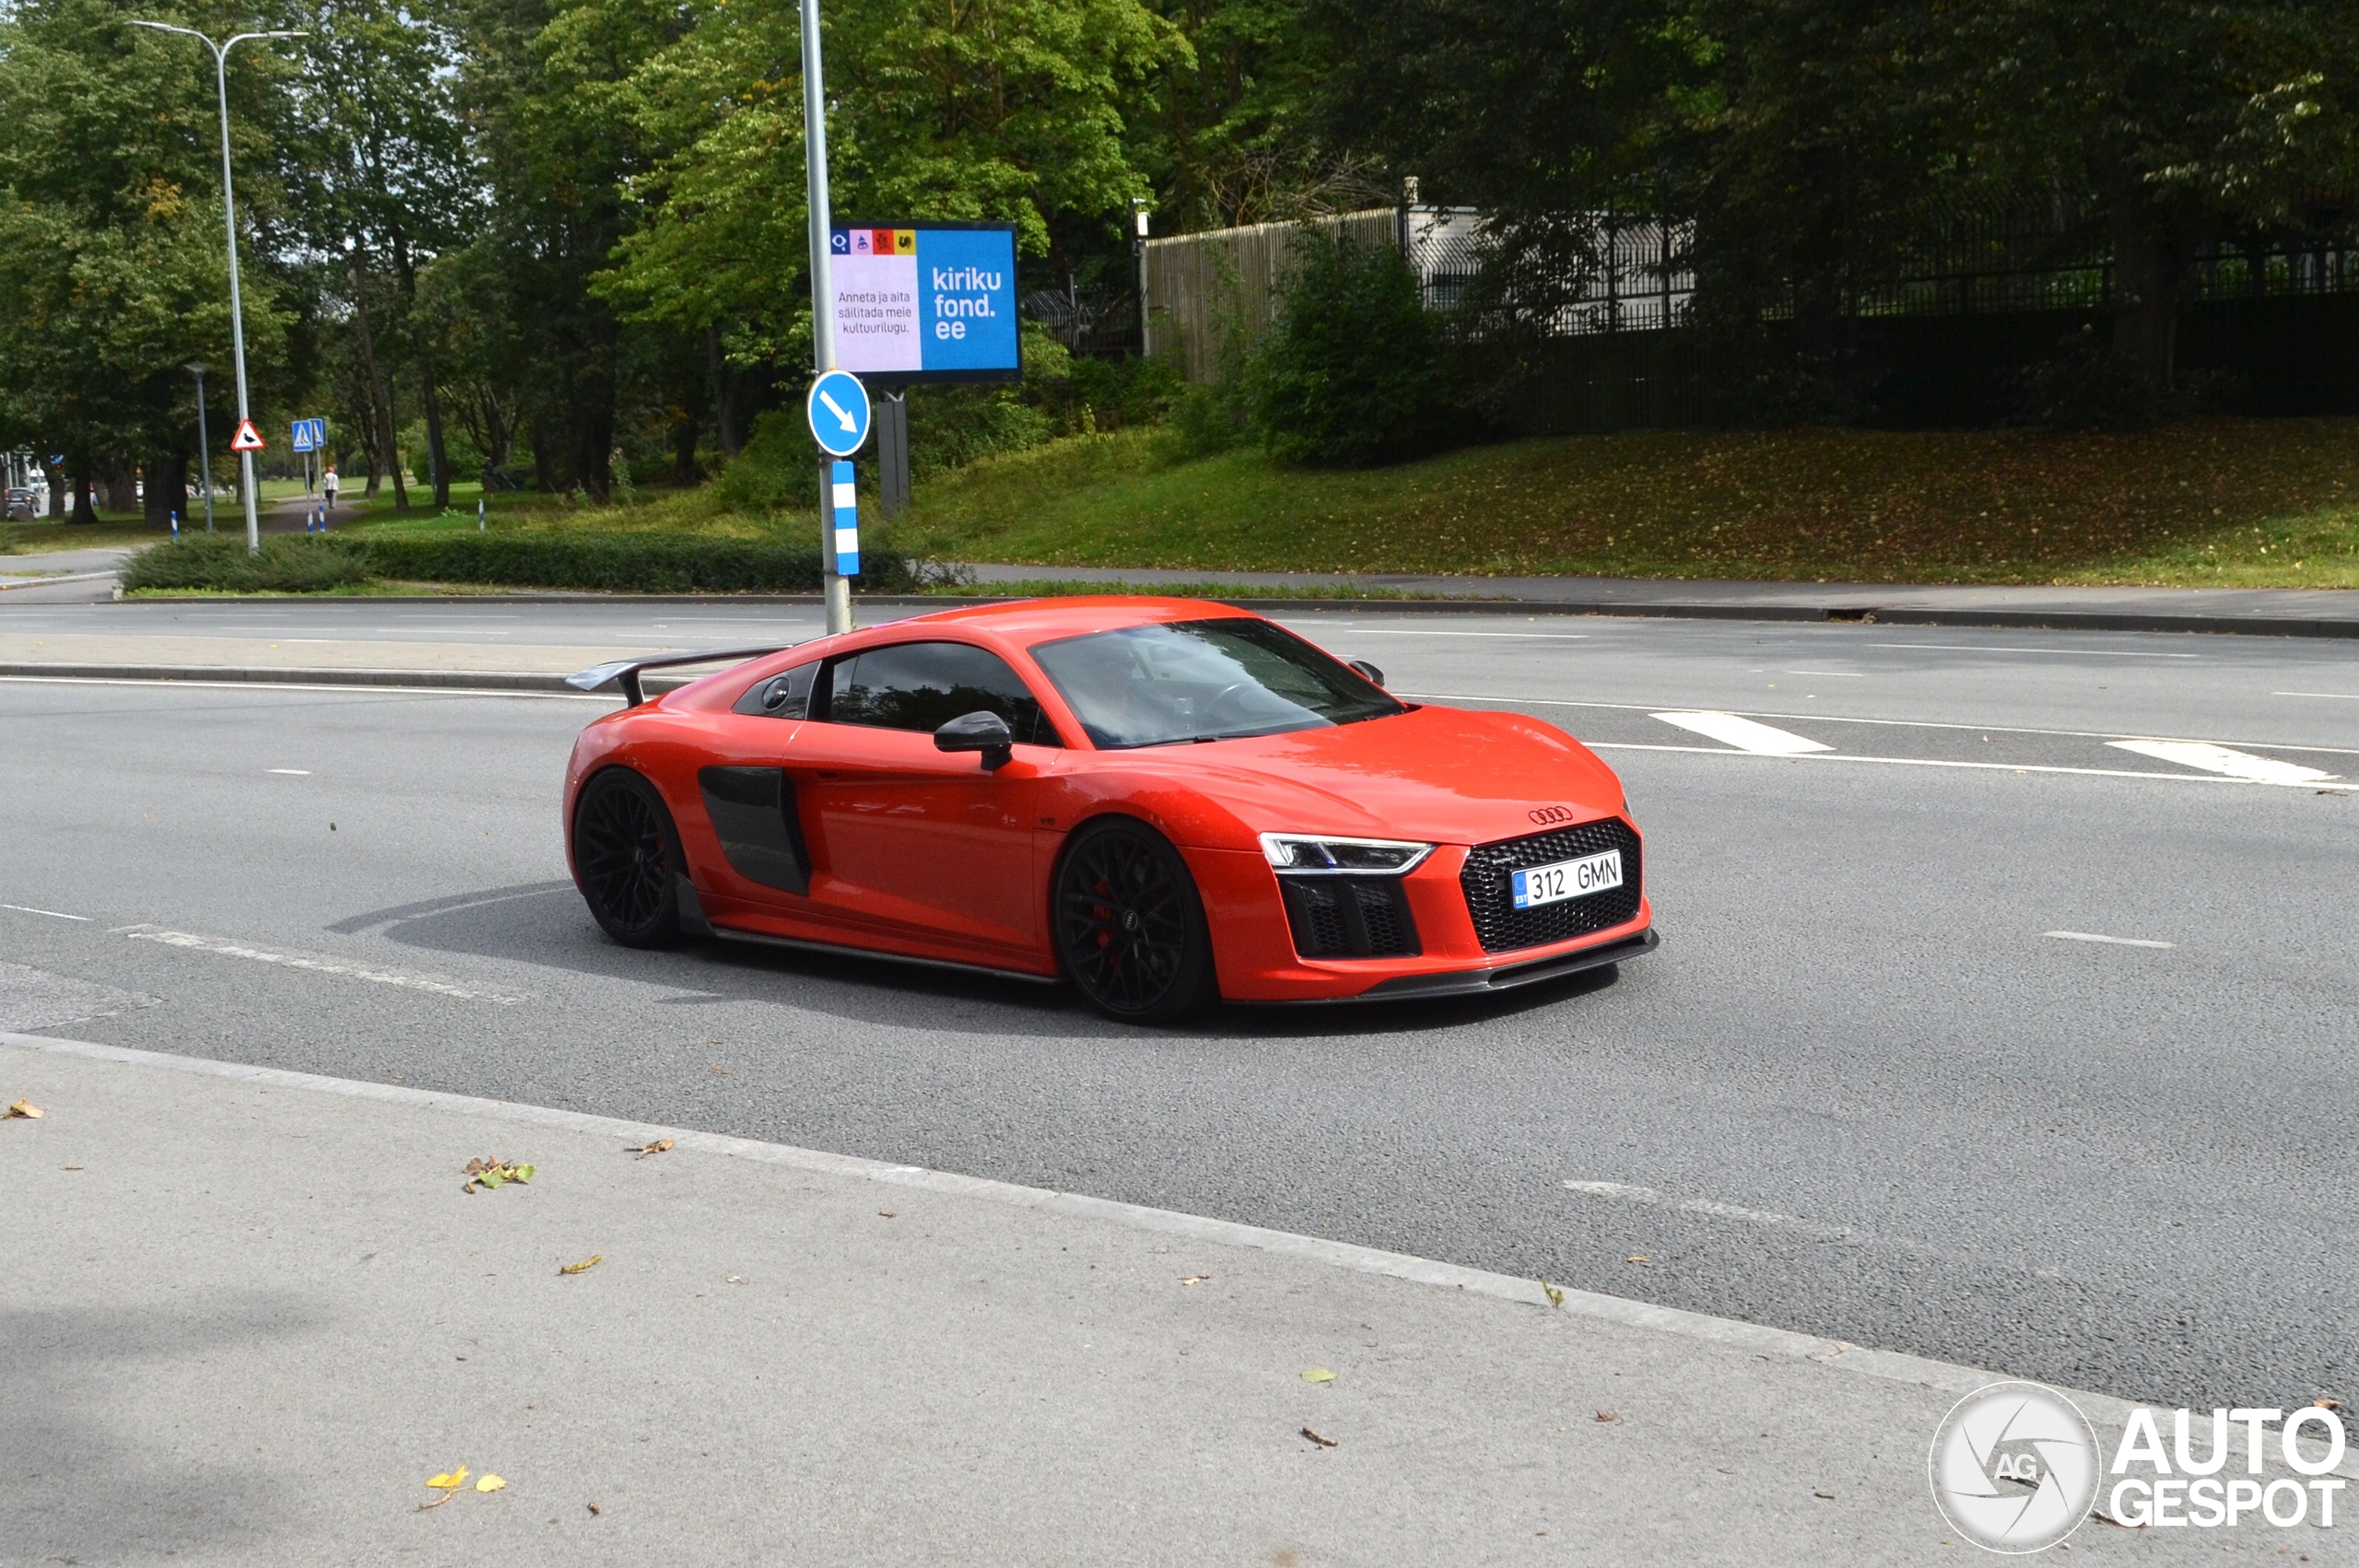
(626, 859)
(1130, 927)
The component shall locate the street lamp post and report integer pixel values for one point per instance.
(204, 443)
(230, 220)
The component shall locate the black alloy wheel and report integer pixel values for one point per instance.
(1130, 927)
(626, 856)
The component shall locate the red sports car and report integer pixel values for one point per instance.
(1164, 801)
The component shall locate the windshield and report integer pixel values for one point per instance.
(1203, 681)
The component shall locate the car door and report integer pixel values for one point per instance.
(909, 841)
(748, 795)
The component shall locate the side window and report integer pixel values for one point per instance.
(924, 686)
(783, 696)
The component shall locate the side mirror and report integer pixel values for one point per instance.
(1364, 668)
(983, 732)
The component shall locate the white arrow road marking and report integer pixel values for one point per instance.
(837, 410)
(2114, 941)
(1745, 734)
(2220, 759)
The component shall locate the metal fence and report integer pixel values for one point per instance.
(1095, 326)
(1211, 292)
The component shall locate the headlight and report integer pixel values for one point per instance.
(1312, 852)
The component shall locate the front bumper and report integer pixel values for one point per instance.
(1477, 982)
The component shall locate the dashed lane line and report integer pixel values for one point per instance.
(1934, 762)
(1745, 734)
(2108, 941)
(53, 914)
(313, 963)
(2219, 759)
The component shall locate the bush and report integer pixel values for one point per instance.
(776, 470)
(1352, 372)
(640, 563)
(289, 563)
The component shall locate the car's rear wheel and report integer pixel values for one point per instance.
(1130, 927)
(628, 857)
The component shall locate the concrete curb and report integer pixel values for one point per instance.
(219, 674)
(2026, 620)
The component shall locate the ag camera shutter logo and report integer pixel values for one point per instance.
(2015, 1467)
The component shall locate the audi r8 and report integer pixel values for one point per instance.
(1165, 802)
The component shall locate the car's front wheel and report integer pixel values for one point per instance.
(628, 855)
(1130, 927)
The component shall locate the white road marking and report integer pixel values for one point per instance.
(53, 914)
(316, 965)
(1745, 734)
(2086, 652)
(1654, 1200)
(2220, 759)
(2113, 941)
(1419, 631)
(1935, 762)
(1845, 675)
(1845, 719)
(292, 772)
(2339, 696)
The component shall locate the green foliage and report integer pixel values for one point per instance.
(1352, 372)
(778, 469)
(289, 563)
(556, 558)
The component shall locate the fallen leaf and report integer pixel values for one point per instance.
(1828, 1496)
(1607, 1416)
(1638, 1257)
(732, 1280)
(448, 1485)
(1315, 1437)
(656, 1148)
(491, 1483)
(718, 1071)
(490, 1175)
(593, 1510)
(884, 1213)
(22, 1108)
(1555, 1297)
(2326, 1404)
(1193, 1278)
(585, 1265)
(1318, 1374)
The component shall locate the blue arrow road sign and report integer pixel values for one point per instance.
(838, 407)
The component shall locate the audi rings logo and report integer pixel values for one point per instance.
(2015, 1467)
(1544, 815)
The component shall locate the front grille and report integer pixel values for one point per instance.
(1503, 928)
(1349, 917)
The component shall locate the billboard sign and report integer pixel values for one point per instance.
(926, 302)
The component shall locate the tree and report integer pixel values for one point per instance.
(112, 275)
(2179, 122)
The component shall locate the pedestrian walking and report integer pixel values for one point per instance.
(327, 483)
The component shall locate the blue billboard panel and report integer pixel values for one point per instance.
(926, 303)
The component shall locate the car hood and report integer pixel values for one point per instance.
(1439, 774)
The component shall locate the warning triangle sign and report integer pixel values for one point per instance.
(247, 439)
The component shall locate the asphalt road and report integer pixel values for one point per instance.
(1859, 1093)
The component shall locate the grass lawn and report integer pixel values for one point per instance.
(2211, 502)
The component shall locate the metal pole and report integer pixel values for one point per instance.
(230, 222)
(892, 453)
(204, 450)
(837, 587)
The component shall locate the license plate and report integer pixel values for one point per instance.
(1567, 879)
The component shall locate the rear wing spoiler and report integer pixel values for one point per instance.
(623, 673)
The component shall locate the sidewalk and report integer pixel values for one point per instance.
(2288, 611)
(246, 1314)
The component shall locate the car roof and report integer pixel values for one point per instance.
(1029, 621)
